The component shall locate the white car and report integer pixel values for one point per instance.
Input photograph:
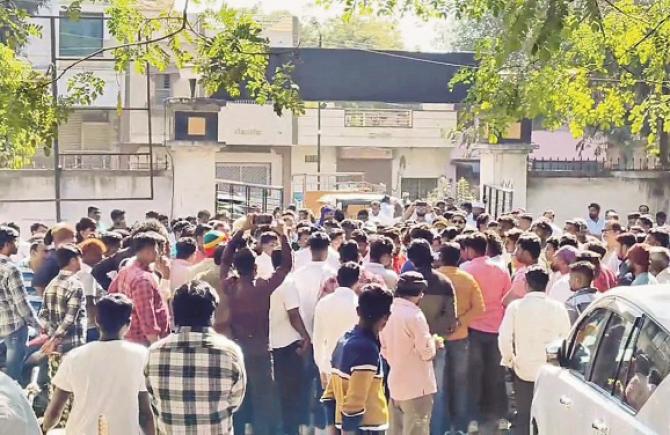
(609, 376)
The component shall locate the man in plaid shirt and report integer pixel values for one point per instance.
(196, 376)
(63, 310)
(64, 314)
(150, 320)
(15, 311)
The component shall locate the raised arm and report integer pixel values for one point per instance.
(286, 259)
(229, 253)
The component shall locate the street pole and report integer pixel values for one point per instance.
(318, 134)
(54, 96)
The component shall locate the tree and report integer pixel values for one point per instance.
(593, 65)
(369, 32)
(225, 46)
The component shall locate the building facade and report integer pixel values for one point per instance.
(404, 148)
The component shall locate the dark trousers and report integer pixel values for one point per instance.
(314, 391)
(456, 384)
(258, 405)
(290, 377)
(523, 395)
(486, 377)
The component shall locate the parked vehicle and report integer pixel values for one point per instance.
(609, 377)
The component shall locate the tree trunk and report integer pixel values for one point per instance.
(663, 150)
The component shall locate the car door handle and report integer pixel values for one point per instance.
(565, 401)
(600, 427)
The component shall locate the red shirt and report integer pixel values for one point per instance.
(398, 262)
(605, 280)
(150, 311)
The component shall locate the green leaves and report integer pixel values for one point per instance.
(226, 48)
(596, 67)
(236, 56)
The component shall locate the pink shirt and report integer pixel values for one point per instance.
(409, 349)
(494, 283)
(518, 288)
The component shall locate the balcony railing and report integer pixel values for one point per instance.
(88, 162)
(592, 167)
(113, 162)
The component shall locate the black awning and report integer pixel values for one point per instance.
(376, 76)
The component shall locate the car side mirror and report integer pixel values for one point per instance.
(556, 353)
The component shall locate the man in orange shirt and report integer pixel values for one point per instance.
(469, 305)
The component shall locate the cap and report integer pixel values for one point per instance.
(211, 240)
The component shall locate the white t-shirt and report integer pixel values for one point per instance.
(560, 290)
(16, 415)
(105, 378)
(304, 256)
(283, 299)
(308, 281)
(264, 268)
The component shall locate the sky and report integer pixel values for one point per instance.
(417, 34)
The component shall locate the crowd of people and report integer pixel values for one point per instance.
(407, 319)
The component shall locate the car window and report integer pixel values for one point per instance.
(650, 364)
(613, 351)
(585, 340)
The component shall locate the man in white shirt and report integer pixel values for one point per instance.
(610, 233)
(659, 264)
(529, 325)
(91, 254)
(106, 378)
(560, 289)
(289, 342)
(310, 277)
(16, 415)
(269, 242)
(334, 315)
(304, 256)
(381, 257)
(594, 223)
(308, 281)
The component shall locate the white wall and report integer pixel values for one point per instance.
(569, 197)
(429, 129)
(251, 124)
(28, 184)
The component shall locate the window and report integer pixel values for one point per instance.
(612, 352)
(378, 118)
(649, 365)
(311, 158)
(585, 340)
(163, 88)
(78, 38)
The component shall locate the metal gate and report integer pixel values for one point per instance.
(498, 200)
(236, 199)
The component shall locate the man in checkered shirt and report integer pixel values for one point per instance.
(196, 376)
(15, 311)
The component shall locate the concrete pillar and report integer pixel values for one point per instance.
(194, 176)
(505, 165)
